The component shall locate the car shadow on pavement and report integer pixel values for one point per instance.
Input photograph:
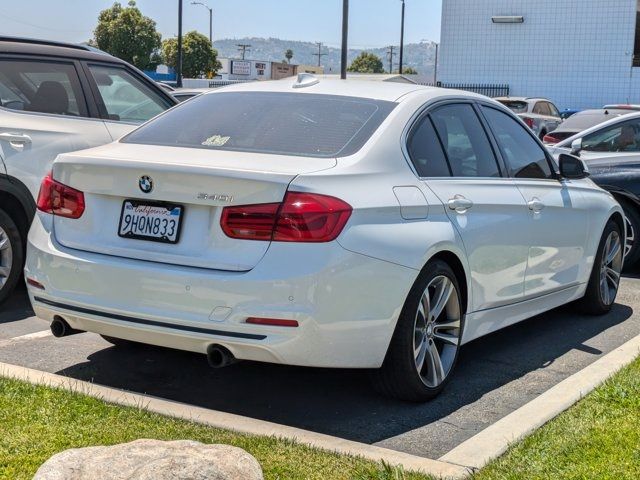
(342, 402)
(16, 308)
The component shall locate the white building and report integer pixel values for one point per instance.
(578, 53)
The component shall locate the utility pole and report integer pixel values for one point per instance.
(319, 54)
(179, 61)
(210, 19)
(401, 39)
(243, 48)
(345, 34)
(390, 54)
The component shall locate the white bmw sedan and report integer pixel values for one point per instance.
(327, 223)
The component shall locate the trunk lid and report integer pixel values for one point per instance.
(202, 181)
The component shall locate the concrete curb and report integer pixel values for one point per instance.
(494, 440)
(236, 423)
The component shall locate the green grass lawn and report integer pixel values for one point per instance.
(596, 439)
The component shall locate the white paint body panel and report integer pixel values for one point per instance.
(347, 294)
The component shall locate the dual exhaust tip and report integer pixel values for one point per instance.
(217, 355)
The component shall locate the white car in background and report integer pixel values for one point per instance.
(540, 115)
(329, 223)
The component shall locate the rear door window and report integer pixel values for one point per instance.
(126, 98)
(426, 151)
(42, 87)
(302, 124)
(465, 141)
(542, 108)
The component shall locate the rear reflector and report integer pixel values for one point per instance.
(277, 322)
(35, 283)
(59, 199)
(301, 217)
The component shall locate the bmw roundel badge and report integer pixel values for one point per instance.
(146, 184)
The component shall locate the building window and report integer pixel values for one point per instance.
(636, 46)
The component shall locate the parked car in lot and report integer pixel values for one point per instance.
(57, 98)
(568, 112)
(582, 121)
(329, 223)
(612, 152)
(182, 94)
(540, 115)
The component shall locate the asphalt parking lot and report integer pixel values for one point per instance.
(495, 375)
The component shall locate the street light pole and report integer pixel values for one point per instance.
(345, 34)
(210, 19)
(401, 40)
(179, 62)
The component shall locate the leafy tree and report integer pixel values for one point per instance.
(127, 34)
(288, 55)
(199, 58)
(366, 62)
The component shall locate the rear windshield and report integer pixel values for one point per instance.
(516, 106)
(300, 124)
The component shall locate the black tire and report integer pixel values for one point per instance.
(399, 376)
(593, 302)
(12, 240)
(632, 213)
(122, 343)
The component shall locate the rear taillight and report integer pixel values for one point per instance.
(59, 199)
(528, 121)
(550, 139)
(301, 217)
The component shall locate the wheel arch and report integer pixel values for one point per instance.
(16, 200)
(457, 266)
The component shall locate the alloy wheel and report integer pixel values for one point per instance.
(6, 257)
(631, 237)
(437, 331)
(610, 268)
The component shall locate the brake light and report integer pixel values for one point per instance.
(550, 139)
(301, 217)
(59, 199)
(528, 121)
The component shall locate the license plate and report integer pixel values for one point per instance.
(155, 222)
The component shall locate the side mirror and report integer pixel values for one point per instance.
(572, 167)
(576, 147)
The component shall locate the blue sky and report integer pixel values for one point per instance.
(373, 23)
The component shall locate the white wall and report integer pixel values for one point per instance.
(577, 53)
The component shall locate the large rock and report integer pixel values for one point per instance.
(152, 460)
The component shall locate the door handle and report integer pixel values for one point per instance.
(20, 138)
(460, 204)
(535, 205)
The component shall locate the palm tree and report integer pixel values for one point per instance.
(288, 55)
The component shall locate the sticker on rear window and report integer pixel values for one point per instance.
(216, 141)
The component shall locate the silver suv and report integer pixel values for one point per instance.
(56, 98)
(540, 115)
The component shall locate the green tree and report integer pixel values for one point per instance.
(199, 58)
(366, 62)
(288, 55)
(127, 34)
(409, 71)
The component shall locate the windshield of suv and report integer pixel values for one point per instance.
(284, 123)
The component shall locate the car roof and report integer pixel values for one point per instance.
(386, 91)
(629, 115)
(32, 46)
(522, 99)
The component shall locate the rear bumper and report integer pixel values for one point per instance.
(346, 304)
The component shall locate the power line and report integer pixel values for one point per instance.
(390, 55)
(243, 48)
(319, 54)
